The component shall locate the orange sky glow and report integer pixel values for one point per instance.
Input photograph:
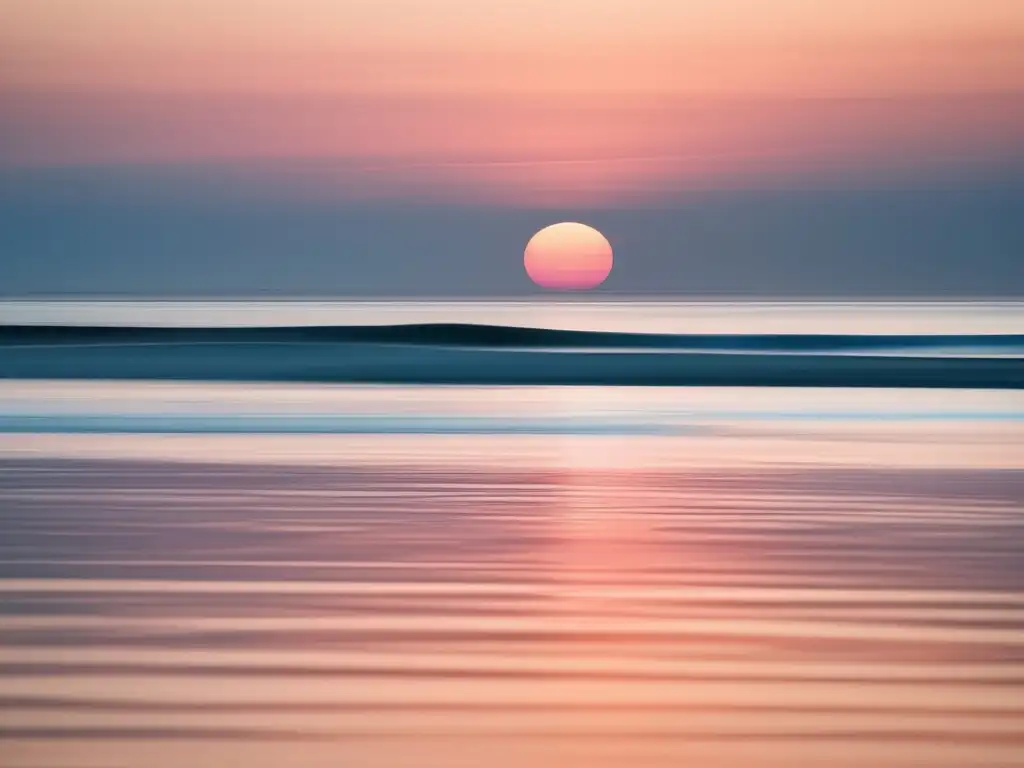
(565, 100)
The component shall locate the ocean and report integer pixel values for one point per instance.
(652, 316)
(324, 573)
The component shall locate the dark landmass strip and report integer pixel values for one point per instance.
(483, 355)
(500, 336)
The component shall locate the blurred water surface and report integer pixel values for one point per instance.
(444, 576)
(893, 317)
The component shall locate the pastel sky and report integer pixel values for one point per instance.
(567, 106)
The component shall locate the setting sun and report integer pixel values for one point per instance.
(568, 256)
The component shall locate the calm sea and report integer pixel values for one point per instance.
(215, 575)
(962, 317)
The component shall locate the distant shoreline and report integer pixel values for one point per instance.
(500, 336)
(502, 355)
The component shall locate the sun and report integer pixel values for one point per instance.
(568, 257)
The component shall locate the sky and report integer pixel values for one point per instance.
(368, 148)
